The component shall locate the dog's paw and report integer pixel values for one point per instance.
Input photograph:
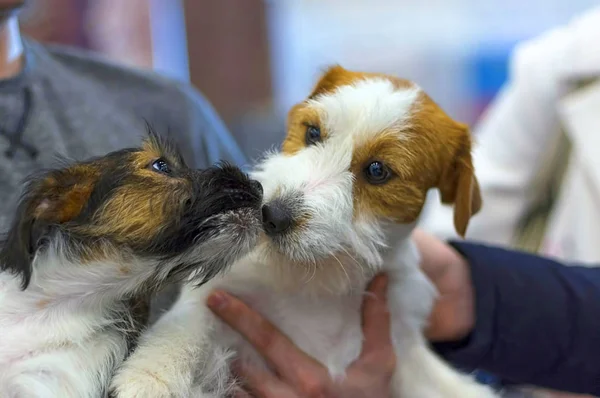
(142, 383)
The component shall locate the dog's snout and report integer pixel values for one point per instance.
(257, 186)
(276, 218)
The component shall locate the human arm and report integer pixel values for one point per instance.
(528, 319)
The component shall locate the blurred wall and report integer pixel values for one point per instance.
(56, 21)
(121, 30)
(457, 50)
(253, 59)
(229, 53)
(222, 47)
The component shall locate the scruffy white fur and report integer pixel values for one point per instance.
(64, 336)
(310, 284)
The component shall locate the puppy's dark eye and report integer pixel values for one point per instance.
(161, 166)
(377, 173)
(313, 135)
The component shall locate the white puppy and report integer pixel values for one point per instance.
(89, 237)
(359, 157)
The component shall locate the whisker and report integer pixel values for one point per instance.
(356, 262)
(342, 267)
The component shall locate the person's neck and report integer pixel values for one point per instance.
(11, 48)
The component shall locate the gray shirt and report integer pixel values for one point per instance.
(70, 103)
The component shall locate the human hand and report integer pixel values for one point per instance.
(453, 315)
(299, 375)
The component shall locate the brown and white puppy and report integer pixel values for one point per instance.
(341, 200)
(91, 235)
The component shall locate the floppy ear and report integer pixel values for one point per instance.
(52, 199)
(20, 243)
(458, 184)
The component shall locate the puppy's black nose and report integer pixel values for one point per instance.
(257, 185)
(276, 219)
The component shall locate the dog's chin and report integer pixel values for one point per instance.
(232, 234)
(301, 250)
(240, 227)
(309, 264)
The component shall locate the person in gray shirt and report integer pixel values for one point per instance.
(61, 101)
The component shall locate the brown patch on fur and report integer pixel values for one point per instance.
(401, 198)
(151, 149)
(65, 194)
(300, 118)
(438, 154)
(433, 151)
(99, 251)
(450, 143)
(134, 213)
(336, 76)
(302, 115)
(137, 212)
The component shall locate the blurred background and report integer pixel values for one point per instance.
(254, 58)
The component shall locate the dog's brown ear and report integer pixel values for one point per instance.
(50, 199)
(62, 195)
(458, 184)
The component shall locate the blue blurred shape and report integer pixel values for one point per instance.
(488, 68)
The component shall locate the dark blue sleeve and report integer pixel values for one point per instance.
(537, 321)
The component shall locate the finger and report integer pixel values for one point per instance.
(431, 252)
(437, 257)
(262, 383)
(283, 356)
(376, 320)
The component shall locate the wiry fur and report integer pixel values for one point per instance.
(309, 280)
(69, 274)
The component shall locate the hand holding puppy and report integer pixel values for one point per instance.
(453, 315)
(299, 375)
